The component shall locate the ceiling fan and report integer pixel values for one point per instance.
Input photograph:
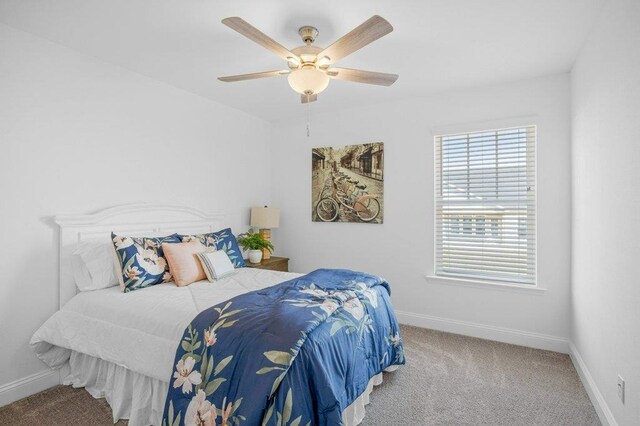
(311, 67)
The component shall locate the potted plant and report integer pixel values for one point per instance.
(254, 242)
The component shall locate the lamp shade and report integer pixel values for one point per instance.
(265, 217)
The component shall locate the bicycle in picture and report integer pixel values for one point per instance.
(350, 195)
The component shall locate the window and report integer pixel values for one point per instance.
(486, 205)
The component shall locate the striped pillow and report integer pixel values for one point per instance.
(216, 264)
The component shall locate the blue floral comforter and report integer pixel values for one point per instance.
(297, 353)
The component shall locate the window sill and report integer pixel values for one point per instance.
(487, 285)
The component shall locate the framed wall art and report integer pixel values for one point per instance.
(347, 183)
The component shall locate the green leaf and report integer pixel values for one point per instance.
(229, 324)
(267, 416)
(336, 326)
(203, 367)
(228, 314)
(129, 263)
(207, 376)
(279, 357)
(195, 345)
(236, 405)
(186, 346)
(171, 411)
(214, 385)
(288, 405)
(172, 421)
(296, 422)
(265, 370)
(276, 383)
(222, 364)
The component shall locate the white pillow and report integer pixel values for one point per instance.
(80, 272)
(216, 264)
(92, 263)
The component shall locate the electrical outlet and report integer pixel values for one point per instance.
(621, 389)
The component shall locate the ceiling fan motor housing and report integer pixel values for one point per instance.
(308, 34)
(307, 54)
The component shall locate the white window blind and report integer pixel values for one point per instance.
(486, 205)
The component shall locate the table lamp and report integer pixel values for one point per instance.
(265, 218)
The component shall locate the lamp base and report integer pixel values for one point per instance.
(266, 233)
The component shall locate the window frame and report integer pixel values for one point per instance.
(478, 281)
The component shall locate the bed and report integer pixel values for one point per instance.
(122, 346)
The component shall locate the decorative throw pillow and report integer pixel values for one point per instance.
(183, 263)
(222, 240)
(141, 260)
(216, 264)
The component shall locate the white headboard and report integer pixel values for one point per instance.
(131, 219)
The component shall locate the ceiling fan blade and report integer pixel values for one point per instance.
(241, 77)
(252, 33)
(359, 76)
(367, 32)
(305, 99)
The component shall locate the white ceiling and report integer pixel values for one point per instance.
(436, 45)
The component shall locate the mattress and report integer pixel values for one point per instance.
(139, 330)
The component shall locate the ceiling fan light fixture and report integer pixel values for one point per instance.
(308, 81)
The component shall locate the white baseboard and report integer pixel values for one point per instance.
(490, 332)
(29, 385)
(604, 413)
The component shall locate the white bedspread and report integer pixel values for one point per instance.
(139, 330)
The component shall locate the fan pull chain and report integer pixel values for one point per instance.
(308, 120)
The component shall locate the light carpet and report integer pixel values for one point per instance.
(448, 380)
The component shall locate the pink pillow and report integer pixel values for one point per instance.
(183, 263)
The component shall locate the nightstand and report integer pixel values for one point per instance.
(273, 264)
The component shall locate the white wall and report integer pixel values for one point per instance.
(78, 135)
(606, 207)
(402, 248)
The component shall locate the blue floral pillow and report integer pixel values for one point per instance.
(142, 262)
(222, 240)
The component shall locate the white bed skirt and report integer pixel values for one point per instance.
(140, 398)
